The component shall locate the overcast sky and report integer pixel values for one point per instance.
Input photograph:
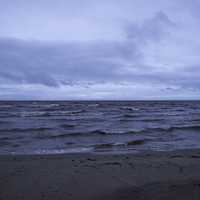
(99, 49)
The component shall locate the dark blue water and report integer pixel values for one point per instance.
(98, 126)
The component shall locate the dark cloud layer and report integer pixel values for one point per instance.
(59, 63)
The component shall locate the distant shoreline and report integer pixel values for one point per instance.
(100, 100)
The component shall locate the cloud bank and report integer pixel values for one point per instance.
(150, 54)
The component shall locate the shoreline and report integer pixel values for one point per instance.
(134, 153)
(148, 175)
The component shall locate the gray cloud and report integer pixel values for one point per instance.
(51, 64)
(59, 63)
(152, 53)
(151, 30)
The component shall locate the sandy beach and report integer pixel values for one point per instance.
(154, 175)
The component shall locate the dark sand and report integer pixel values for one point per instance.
(166, 176)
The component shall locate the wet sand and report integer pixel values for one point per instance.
(151, 175)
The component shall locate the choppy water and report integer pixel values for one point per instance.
(59, 127)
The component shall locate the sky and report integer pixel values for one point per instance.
(99, 49)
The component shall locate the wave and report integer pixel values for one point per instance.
(25, 129)
(99, 132)
(166, 129)
(137, 142)
(88, 134)
(139, 118)
(49, 113)
(93, 105)
(66, 126)
(73, 112)
(6, 106)
(115, 145)
(192, 127)
(50, 105)
(4, 143)
(4, 122)
(8, 114)
(35, 105)
(129, 116)
(104, 146)
(151, 120)
(73, 134)
(33, 114)
(175, 128)
(130, 108)
(106, 133)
